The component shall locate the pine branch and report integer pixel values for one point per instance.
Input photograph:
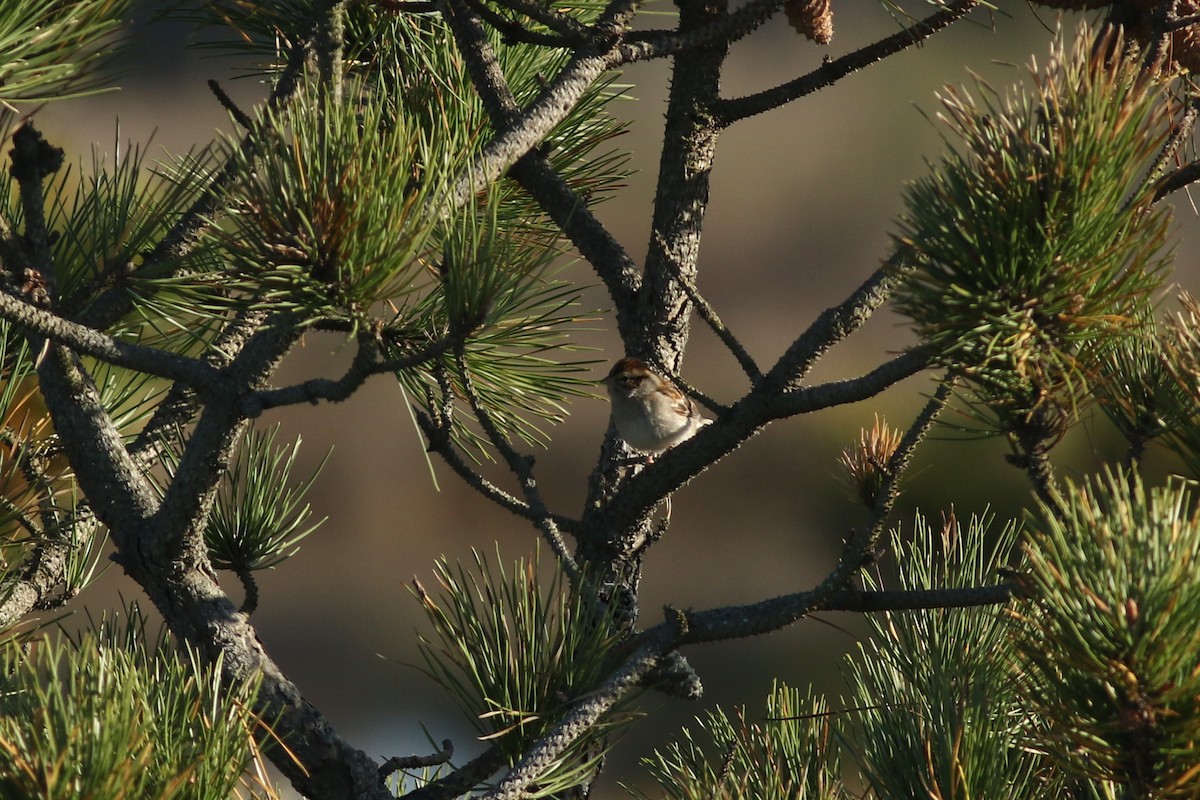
(536, 176)
(182, 403)
(329, 46)
(541, 116)
(681, 193)
(87, 341)
(680, 628)
(1181, 132)
(366, 363)
(397, 763)
(731, 342)
(897, 464)
(227, 103)
(159, 543)
(1181, 178)
(104, 310)
(582, 718)
(730, 111)
(767, 616)
(514, 32)
(638, 495)
(1163, 15)
(461, 780)
(522, 468)
(572, 32)
(440, 443)
(33, 160)
(836, 323)
(722, 31)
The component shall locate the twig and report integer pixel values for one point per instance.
(522, 467)
(897, 465)
(856, 600)
(439, 442)
(732, 110)
(1174, 181)
(514, 32)
(1034, 461)
(329, 45)
(250, 587)
(709, 315)
(1181, 132)
(767, 616)
(33, 160)
(1179, 23)
(241, 117)
(397, 763)
(704, 400)
(366, 363)
(1163, 16)
(463, 779)
(836, 323)
(570, 29)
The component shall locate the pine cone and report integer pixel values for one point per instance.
(812, 18)
(1185, 43)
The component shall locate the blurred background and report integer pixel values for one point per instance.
(802, 205)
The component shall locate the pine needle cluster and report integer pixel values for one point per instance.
(515, 654)
(116, 713)
(1108, 649)
(1036, 240)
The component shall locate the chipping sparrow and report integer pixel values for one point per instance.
(649, 411)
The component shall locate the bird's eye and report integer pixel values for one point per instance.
(630, 381)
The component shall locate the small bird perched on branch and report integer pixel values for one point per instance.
(650, 413)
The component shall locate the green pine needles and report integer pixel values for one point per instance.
(115, 715)
(260, 516)
(1148, 385)
(1036, 241)
(515, 654)
(332, 214)
(787, 755)
(342, 218)
(1084, 688)
(51, 50)
(938, 714)
(1110, 647)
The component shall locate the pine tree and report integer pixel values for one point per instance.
(413, 184)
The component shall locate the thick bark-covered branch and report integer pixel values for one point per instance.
(681, 195)
(549, 109)
(88, 341)
(582, 718)
(553, 105)
(160, 545)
